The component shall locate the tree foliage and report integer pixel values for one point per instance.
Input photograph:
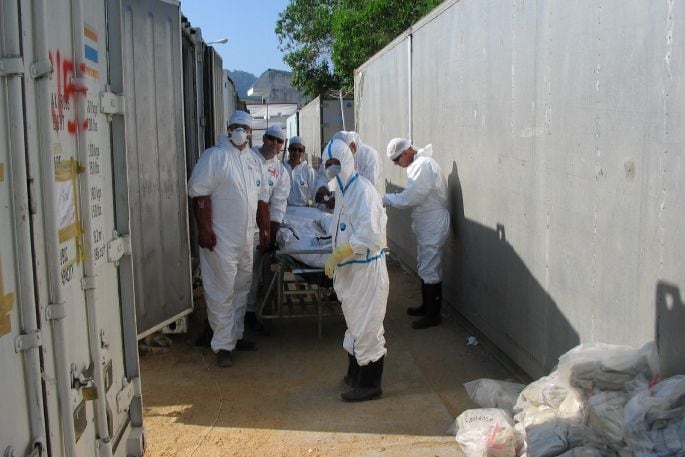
(325, 40)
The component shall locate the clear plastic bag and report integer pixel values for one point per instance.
(487, 432)
(489, 393)
(654, 420)
(598, 366)
(605, 416)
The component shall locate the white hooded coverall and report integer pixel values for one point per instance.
(426, 193)
(302, 184)
(277, 181)
(235, 182)
(361, 281)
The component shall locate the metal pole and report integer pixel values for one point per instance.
(56, 310)
(342, 111)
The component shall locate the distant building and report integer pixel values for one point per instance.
(279, 100)
(275, 86)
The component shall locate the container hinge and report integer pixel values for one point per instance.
(88, 282)
(130, 389)
(41, 68)
(11, 66)
(56, 311)
(27, 341)
(111, 103)
(118, 247)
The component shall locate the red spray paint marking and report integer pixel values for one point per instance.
(67, 86)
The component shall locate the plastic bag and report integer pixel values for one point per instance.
(605, 416)
(487, 432)
(555, 437)
(654, 419)
(599, 366)
(489, 393)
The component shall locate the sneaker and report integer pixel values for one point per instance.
(245, 345)
(223, 358)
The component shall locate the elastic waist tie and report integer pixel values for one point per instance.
(368, 259)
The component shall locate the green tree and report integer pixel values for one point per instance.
(304, 33)
(325, 40)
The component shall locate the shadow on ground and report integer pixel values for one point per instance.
(294, 380)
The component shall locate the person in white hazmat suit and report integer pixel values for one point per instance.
(302, 175)
(426, 194)
(360, 275)
(229, 193)
(278, 186)
(367, 161)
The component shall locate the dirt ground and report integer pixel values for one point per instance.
(284, 398)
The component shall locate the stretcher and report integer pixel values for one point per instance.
(296, 289)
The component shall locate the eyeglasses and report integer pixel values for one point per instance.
(397, 159)
(273, 138)
(296, 149)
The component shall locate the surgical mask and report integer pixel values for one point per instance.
(332, 171)
(239, 137)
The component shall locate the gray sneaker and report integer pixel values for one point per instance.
(223, 358)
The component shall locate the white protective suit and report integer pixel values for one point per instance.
(235, 182)
(426, 193)
(366, 159)
(361, 281)
(302, 182)
(278, 188)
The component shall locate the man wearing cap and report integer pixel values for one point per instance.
(278, 187)
(302, 176)
(426, 194)
(230, 195)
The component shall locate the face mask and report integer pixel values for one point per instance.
(239, 137)
(333, 171)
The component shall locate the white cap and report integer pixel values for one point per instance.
(276, 132)
(397, 146)
(241, 118)
(296, 140)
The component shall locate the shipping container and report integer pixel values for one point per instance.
(94, 249)
(560, 129)
(68, 326)
(320, 119)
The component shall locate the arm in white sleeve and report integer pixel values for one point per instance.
(279, 196)
(203, 177)
(311, 182)
(368, 222)
(416, 192)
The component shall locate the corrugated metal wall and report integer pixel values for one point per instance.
(310, 129)
(560, 128)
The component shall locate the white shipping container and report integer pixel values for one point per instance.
(84, 167)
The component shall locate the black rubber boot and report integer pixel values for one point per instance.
(352, 376)
(433, 303)
(369, 383)
(422, 309)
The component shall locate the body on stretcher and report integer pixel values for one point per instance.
(298, 286)
(299, 290)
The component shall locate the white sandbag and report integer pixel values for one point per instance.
(487, 432)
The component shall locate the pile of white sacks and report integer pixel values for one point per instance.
(601, 401)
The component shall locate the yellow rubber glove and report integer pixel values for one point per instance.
(339, 254)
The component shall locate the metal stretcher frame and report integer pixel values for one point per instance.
(315, 290)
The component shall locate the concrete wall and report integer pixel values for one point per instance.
(561, 129)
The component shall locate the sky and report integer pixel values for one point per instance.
(249, 26)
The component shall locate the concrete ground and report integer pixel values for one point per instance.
(284, 398)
